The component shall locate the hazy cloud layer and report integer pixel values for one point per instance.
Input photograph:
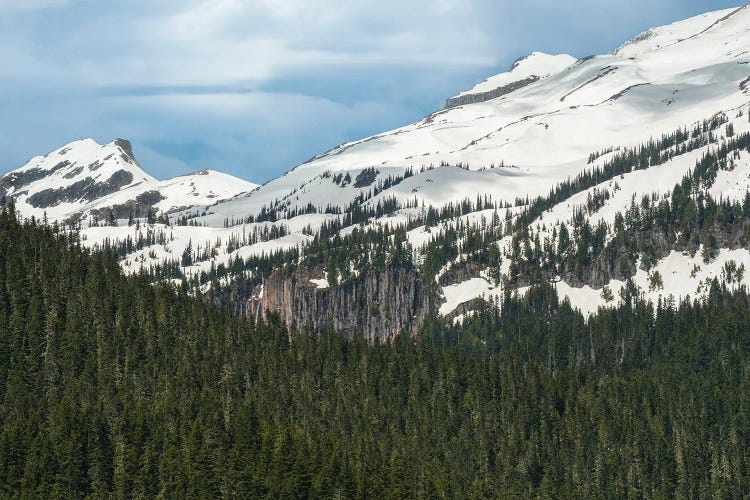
(254, 87)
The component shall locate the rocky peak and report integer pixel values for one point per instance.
(125, 145)
(524, 71)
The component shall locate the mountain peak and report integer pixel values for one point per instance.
(86, 179)
(125, 145)
(540, 63)
(63, 181)
(524, 71)
(734, 20)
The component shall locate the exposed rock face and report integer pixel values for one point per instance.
(149, 198)
(640, 250)
(460, 271)
(16, 180)
(381, 304)
(462, 100)
(135, 208)
(623, 263)
(465, 307)
(125, 145)
(86, 189)
(376, 305)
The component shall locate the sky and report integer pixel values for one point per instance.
(255, 87)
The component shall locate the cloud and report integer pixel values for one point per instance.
(222, 42)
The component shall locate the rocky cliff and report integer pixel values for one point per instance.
(376, 304)
(465, 99)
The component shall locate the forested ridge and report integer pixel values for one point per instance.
(111, 386)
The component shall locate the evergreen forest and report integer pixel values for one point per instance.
(112, 386)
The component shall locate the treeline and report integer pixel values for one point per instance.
(571, 249)
(688, 220)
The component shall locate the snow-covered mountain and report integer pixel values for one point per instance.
(659, 104)
(68, 179)
(544, 132)
(179, 193)
(84, 178)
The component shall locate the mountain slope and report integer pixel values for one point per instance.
(478, 195)
(546, 129)
(524, 71)
(84, 178)
(679, 77)
(67, 179)
(183, 192)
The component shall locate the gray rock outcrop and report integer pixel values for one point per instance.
(462, 100)
(376, 304)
